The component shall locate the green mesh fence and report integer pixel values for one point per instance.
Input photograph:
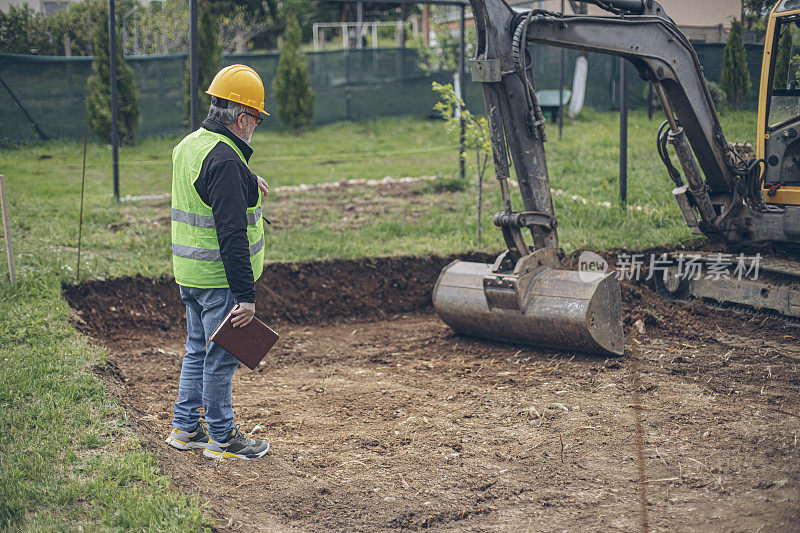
(350, 85)
(53, 89)
(603, 76)
(356, 84)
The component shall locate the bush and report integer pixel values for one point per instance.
(781, 76)
(20, 31)
(98, 98)
(25, 31)
(293, 94)
(794, 69)
(735, 76)
(717, 94)
(443, 52)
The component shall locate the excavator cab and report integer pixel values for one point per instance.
(778, 137)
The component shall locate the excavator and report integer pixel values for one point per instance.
(731, 193)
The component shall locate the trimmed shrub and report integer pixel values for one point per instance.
(735, 76)
(293, 94)
(98, 98)
(782, 61)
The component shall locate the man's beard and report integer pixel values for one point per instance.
(247, 140)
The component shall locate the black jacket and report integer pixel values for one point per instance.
(227, 185)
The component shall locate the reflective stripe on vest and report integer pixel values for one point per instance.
(203, 221)
(204, 254)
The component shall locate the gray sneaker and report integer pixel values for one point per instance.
(183, 440)
(239, 446)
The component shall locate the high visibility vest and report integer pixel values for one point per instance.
(196, 258)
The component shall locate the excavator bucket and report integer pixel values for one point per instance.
(537, 303)
(525, 296)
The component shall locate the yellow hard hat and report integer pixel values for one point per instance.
(240, 84)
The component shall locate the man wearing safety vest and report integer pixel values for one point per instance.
(217, 255)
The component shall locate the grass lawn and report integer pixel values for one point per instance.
(67, 455)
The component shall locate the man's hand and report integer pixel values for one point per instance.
(262, 184)
(243, 314)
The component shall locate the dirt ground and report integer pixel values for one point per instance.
(381, 418)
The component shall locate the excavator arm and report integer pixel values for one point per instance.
(722, 194)
(661, 54)
(525, 296)
(641, 32)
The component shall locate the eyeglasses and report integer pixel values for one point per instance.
(257, 118)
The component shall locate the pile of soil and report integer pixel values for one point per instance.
(324, 292)
(311, 292)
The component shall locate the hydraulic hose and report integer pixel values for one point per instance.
(661, 146)
(519, 49)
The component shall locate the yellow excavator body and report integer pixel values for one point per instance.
(783, 18)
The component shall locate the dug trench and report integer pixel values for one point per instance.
(381, 418)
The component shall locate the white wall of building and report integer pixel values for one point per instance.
(43, 6)
(683, 12)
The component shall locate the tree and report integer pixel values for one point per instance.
(759, 6)
(794, 69)
(209, 60)
(476, 134)
(25, 31)
(293, 93)
(782, 60)
(75, 22)
(164, 29)
(444, 48)
(98, 98)
(237, 29)
(21, 31)
(247, 24)
(735, 76)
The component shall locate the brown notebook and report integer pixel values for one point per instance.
(248, 344)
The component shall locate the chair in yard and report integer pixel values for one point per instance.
(548, 101)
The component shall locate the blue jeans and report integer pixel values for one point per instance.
(207, 372)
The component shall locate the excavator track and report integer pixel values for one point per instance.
(747, 284)
(746, 311)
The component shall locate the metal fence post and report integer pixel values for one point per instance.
(623, 135)
(561, 86)
(193, 66)
(461, 73)
(112, 54)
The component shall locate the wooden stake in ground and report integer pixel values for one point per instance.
(7, 225)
